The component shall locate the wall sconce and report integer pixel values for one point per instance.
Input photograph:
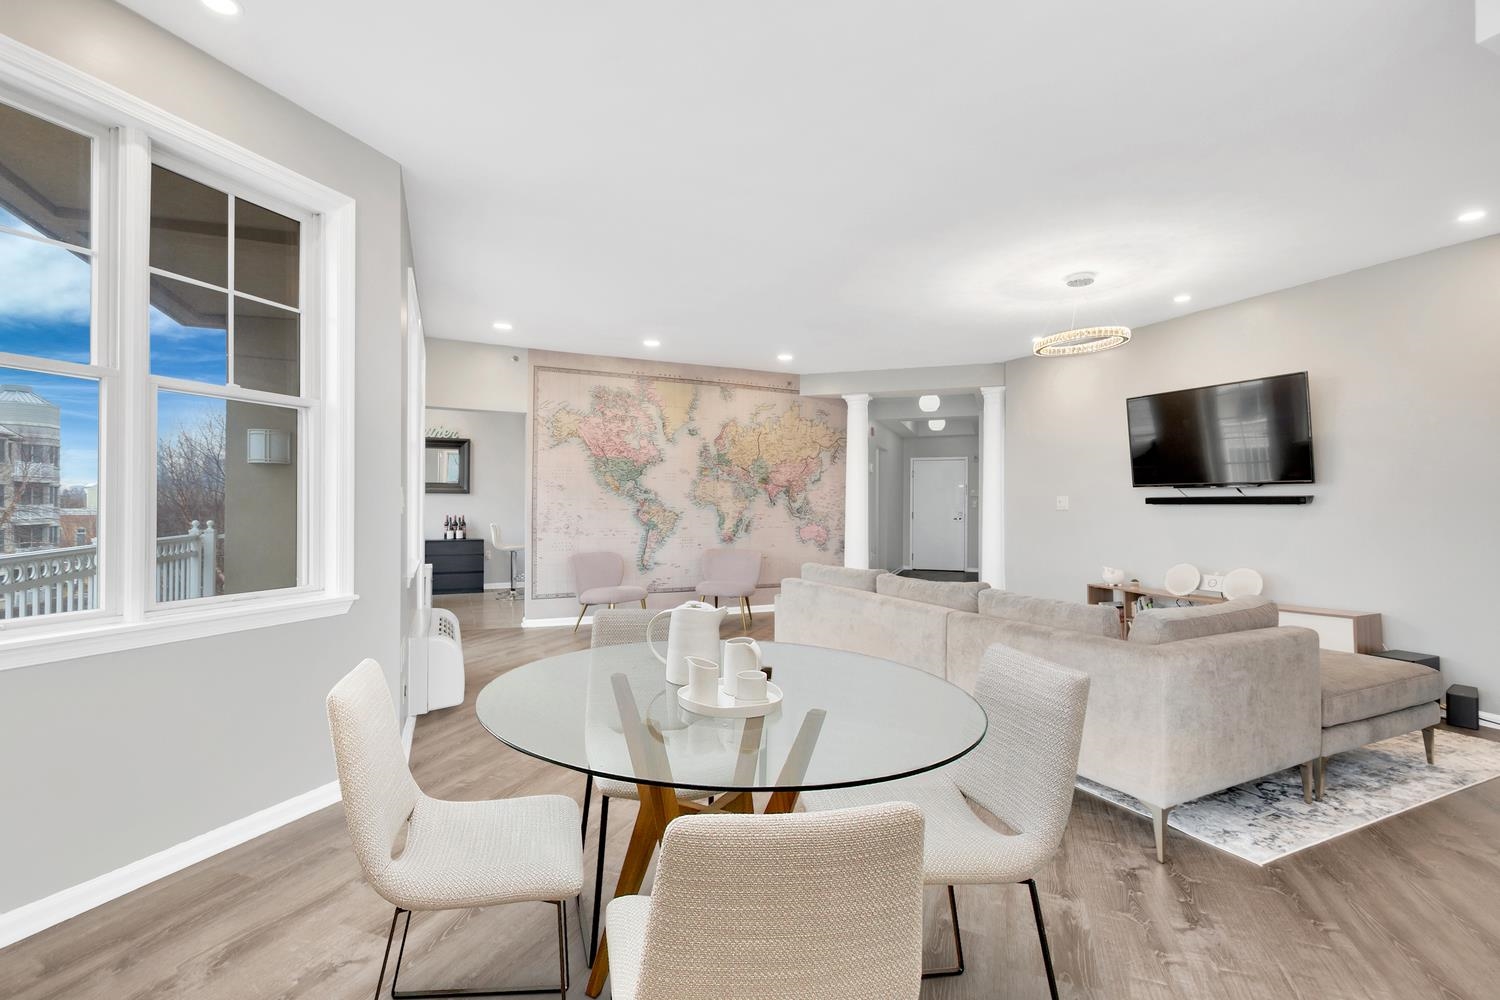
(264, 446)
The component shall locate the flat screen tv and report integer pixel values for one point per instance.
(1251, 433)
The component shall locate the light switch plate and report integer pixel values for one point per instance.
(1062, 503)
(1213, 582)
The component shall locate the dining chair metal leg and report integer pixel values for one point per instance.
(588, 795)
(958, 944)
(1041, 933)
(581, 610)
(396, 994)
(598, 879)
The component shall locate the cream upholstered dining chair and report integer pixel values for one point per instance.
(615, 627)
(777, 907)
(456, 855)
(600, 579)
(1022, 773)
(731, 573)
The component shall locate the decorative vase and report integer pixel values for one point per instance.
(1114, 577)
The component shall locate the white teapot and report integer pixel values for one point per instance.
(694, 631)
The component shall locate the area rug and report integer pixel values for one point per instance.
(1266, 820)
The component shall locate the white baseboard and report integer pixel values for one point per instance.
(407, 732)
(27, 920)
(589, 619)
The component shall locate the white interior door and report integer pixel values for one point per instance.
(939, 511)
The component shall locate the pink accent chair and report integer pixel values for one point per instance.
(731, 573)
(599, 577)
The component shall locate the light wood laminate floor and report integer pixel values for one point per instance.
(1409, 907)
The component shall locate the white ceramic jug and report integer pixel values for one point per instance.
(694, 632)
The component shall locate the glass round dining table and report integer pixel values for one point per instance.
(845, 719)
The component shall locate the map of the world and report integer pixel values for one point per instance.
(661, 469)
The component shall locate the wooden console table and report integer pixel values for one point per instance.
(1351, 631)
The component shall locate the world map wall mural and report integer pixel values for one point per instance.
(660, 468)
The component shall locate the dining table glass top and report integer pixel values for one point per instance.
(845, 719)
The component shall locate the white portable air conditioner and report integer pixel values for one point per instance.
(445, 661)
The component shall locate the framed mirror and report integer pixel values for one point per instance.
(447, 465)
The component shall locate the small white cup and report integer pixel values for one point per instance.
(703, 680)
(750, 686)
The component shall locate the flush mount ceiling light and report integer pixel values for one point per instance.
(651, 342)
(783, 357)
(229, 8)
(1184, 297)
(936, 425)
(1472, 215)
(929, 404)
(1080, 339)
(502, 326)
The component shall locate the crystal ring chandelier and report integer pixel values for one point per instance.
(1083, 339)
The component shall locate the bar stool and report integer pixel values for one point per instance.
(499, 545)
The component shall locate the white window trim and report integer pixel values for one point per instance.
(127, 620)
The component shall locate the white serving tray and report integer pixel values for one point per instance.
(728, 707)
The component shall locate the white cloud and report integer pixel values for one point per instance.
(39, 281)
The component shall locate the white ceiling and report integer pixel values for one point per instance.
(884, 184)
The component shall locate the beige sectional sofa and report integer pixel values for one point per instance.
(1197, 700)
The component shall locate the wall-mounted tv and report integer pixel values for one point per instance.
(1251, 433)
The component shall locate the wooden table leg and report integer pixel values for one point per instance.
(650, 825)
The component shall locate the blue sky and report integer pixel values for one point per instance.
(44, 312)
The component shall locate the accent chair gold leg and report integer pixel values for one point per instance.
(749, 615)
(643, 603)
(1159, 826)
(1427, 742)
(582, 608)
(1322, 772)
(1307, 782)
(716, 602)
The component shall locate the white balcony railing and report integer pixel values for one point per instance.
(47, 581)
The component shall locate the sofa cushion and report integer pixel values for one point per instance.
(1173, 624)
(1356, 686)
(909, 632)
(841, 576)
(955, 595)
(1090, 619)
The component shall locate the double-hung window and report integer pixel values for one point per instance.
(175, 380)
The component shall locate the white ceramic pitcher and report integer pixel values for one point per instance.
(694, 632)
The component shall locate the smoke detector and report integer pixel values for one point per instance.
(1080, 279)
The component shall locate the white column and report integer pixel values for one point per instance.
(992, 488)
(857, 484)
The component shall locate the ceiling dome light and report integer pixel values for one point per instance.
(783, 357)
(651, 342)
(1472, 215)
(1184, 297)
(501, 326)
(936, 425)
(229, 8)
(1084, 340)
(929, 404)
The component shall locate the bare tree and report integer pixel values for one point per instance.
(190, 476)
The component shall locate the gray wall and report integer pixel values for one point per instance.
(113, 758)
(946, 446)
(497, 484)
(1403, 361)
(887, 537)
(470, 376)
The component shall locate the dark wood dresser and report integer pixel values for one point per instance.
(457, 566)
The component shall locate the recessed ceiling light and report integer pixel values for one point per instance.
(503, 326)
(1184, 297)
(651, 342)
(783, 357)
(229, 8)
(1472, 215)
(929, 404)
(936, 425)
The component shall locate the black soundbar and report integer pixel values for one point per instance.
(1272, 500)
